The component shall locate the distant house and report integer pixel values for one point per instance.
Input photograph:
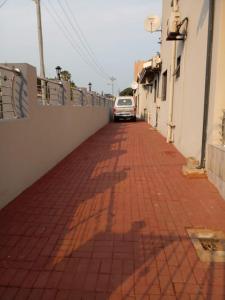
(148, 89)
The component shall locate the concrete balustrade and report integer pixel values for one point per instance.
(33, 144)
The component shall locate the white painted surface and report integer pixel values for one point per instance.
(216, 167)
(189, 87)
(217, 88)
(31, 146)
(216, 152)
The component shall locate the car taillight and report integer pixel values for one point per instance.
(114, 109)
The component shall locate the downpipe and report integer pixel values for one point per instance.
(207, 82)
(170, 135)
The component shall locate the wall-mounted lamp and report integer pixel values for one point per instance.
(58, 72)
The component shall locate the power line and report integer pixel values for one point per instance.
(70, 38)
(81, 40)
(56, 17)
(3, 3)
(82, 36)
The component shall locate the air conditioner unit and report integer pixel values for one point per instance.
(173, 26)
(147, 64)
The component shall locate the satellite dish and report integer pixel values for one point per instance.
(152, 23)
(134, 85)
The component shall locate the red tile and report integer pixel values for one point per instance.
(42, 279)
(166, 285)
(36, 294)
(23, 294)
(106, 266)
(62, 295)
(113, 211)
(2, 290)
(90, 282)
(94, 266)
(102, 283)
(9, 293)
(115, 283)
(30, 279)
(66, 282)
(18, 278)
(54, 279)
(6, 276)
(49, 295)
(128, 286)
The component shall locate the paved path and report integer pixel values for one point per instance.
(109, 222)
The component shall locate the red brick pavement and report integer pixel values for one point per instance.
(109, 222)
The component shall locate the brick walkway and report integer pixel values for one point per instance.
(109, 222)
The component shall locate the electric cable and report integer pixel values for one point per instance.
(70, 39)
(82, 37)
(76, 31)
(3, 3)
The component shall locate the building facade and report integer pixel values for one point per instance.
(190, 104)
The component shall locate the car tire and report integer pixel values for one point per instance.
(115, 119)
(134, 119)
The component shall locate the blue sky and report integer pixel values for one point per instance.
(114, 30)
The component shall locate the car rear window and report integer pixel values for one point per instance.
(124, 102)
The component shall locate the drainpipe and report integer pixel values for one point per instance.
(170, 124)
(207, 81)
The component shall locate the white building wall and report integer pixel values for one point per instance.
(154, 103)
(189, 87)
(217, 87)
(166, 54)
(216, 151)
(142, 94)
(146, 96)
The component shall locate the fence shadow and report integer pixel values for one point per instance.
(68, 229)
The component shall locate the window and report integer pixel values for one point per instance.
(164, 85)
(177, 71)
(124, 102)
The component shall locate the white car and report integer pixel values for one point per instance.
(124, 108)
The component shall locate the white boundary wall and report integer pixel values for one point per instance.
(33, 145)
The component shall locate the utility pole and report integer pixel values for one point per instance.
(112, 79)
(40, 38)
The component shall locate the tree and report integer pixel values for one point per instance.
(127, 92)
(65, 75)
(72, 84)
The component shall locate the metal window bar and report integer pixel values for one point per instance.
(103, 101)
(7, 95)
(97, 100)
(92, 100)
(50, 92)
(89, 99)
(77, 96)
(81, 98)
